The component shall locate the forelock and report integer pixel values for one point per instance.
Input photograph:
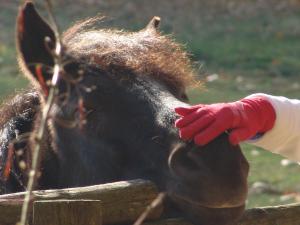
(144, 52)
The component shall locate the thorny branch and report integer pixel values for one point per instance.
(49, 102)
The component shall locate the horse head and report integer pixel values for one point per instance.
(113, 116)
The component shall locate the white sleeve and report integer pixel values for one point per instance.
(284, 137)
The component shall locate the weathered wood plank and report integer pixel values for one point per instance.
(121, 201)
(70, 212)
(276, 215)
(272, 215)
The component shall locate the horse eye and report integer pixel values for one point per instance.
(71, 67)
(73, 72)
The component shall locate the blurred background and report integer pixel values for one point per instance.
(239, 48)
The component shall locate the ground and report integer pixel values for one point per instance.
(238, 48)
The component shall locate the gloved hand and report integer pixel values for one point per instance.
(243, 120)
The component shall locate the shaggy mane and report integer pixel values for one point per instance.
(146, 52)
(23, 104)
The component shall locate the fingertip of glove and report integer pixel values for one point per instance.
(199, 141)
(233, 140)
(182, 111)
(178, 123)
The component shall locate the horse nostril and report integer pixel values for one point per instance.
(186, 165)
(174, 158)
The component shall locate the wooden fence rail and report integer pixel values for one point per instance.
(115, 203)
(121, 201)
(276, 215)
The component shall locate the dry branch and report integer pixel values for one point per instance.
(40, 133)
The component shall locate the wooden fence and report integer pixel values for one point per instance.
(116, 203)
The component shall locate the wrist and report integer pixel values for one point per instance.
(263, 112)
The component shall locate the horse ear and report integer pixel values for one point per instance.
(33, 51)
(153, 25)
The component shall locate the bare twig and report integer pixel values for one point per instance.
(46, 109)
(154, 204)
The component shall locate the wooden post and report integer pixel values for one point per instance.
(71, 212)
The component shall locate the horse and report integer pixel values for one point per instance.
(113, 119)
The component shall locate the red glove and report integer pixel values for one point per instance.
(243, 120)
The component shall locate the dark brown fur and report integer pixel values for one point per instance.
(129, 85)
(146, 52)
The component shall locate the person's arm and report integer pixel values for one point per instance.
(284, 137)
(270, 122)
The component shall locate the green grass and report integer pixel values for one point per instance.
(259, 44)
(10, 78)
(266, 167)
(253, 53)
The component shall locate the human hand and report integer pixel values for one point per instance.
(242, 119)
